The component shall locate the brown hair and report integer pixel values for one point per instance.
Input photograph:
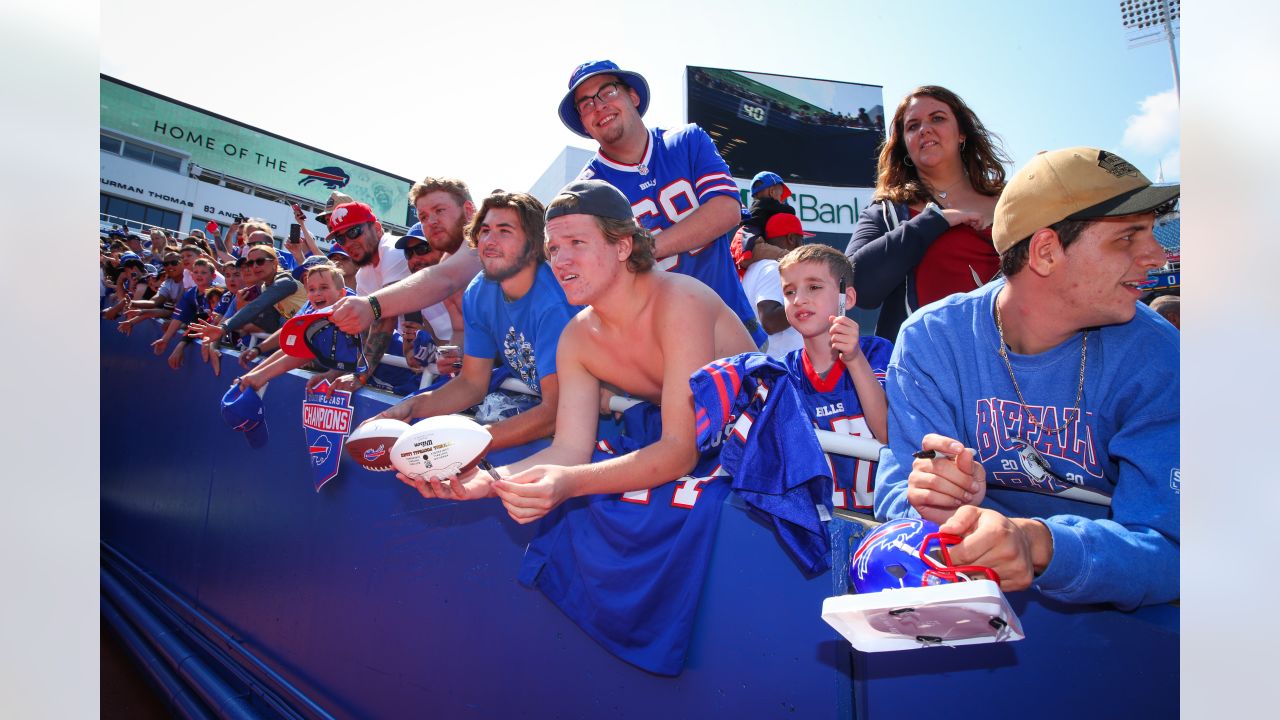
(834, 260)
(641, 258)
(981, 155)
(205, 262)
(453, 186)
(327, 267)
(530, 212)
(1015, 258)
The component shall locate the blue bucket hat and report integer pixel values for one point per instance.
(587, 70)
(415, 233)
(242, 410)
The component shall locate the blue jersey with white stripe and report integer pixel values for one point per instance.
(681, 169)
(832, 404)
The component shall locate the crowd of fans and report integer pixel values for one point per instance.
(566, 299)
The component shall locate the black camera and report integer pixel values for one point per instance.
(239, 218)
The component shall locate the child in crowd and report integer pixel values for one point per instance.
(210, 353)
(840, 375)
(325, 285)
(192, 306)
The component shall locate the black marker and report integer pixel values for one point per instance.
(841, 305)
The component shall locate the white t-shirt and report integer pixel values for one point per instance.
(761, 282)
(189, 282)
(391, 267)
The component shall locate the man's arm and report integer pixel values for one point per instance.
(537, 422)
(421, 289)
(460, 393)
(715, 217)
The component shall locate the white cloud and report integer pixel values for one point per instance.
(1155, 129)
(1171, 165)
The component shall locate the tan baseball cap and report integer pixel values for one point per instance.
(1072, 184)
(335, 199)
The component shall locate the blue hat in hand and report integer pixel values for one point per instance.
(242, 410)
(588, 70)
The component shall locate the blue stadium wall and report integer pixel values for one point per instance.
(243, 592)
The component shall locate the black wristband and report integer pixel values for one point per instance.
(377, 308)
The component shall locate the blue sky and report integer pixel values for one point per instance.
(454, 90)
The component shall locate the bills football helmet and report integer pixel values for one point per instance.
(908, 553)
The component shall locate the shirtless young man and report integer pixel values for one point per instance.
(644, 333)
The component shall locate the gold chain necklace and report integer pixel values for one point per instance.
(1004, 355)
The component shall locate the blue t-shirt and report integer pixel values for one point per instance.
(524, 333)
(191, 306)
(832, 404)
(682, 169)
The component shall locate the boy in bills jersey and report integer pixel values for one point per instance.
(840, 376)
(678, 185)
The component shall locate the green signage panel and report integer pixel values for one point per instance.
(242, 152)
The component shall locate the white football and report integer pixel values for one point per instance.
(442, 446)
(370, 444)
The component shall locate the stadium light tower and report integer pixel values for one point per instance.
(1149, 21)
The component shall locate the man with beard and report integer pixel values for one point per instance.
(514, 309)
(441, 321)
(378, 264)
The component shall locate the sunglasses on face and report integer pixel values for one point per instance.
(172, 263)
(257, 262)
(352, 233)
(417, 250)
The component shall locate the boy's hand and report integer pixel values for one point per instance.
(844, 335)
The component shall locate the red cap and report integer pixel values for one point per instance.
(348, 215)
(784, 224)
(293, 334)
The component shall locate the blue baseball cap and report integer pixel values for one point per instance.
(306, 265)
(588, 70)
(766, 179)
(127, 256)
(337, 249)
(242, 410)
(415, 233)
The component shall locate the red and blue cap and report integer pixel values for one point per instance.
(313, 336)
(242, 411)
(588, 70)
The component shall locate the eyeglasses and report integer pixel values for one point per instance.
(606, 93)
(418, 250)
(171, 263)
(257, 262)
(353, 233)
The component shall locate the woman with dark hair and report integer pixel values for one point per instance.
(927, 233)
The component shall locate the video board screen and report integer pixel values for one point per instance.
(818, 132)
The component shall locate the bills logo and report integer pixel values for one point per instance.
(373, 454)
(332, 177)
(320, 450)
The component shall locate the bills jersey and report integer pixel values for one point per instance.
(771, 453)
(832, 404)
(680, 170)
(628, 568)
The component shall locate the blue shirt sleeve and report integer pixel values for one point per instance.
(478, 320)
